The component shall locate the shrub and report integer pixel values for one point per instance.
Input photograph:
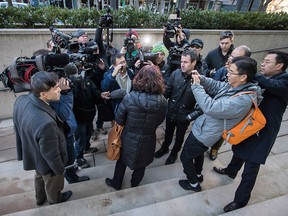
(130, 18)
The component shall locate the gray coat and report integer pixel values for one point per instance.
(141, 114)
(208, 127)
(40, 140)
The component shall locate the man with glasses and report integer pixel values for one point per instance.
(218, 102)
(217, 57)
(242, 50)
(254, 151)
(221, 75)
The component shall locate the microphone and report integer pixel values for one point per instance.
(70, 69)
(57, 59)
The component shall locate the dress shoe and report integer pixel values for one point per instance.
(222, 171)
(40, 202)
(79, 179)
(185, 184)
(161, 152)
(66, 195)
(232, 206)
(171, 159)
(108, 181)
(213, 154)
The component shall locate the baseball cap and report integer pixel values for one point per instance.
(197, 42)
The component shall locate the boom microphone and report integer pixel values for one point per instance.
(57, 59)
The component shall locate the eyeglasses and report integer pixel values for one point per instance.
(233, 73)
(267, 62)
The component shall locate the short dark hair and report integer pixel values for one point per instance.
(116, 56)
(246, 65)
(192, 53)
(43, 81)
(149, 80)
(281, 57)
(226, 34)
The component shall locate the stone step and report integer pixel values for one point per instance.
(97, 186)
(211, 202)
(166, 198)
(276, 206)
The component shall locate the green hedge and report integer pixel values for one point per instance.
(31, 17)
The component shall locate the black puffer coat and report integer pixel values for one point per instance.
(141, 114)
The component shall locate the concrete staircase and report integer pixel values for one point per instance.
(158, 194)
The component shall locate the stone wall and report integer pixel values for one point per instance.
(22, 42)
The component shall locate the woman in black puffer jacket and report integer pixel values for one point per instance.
(140, 112)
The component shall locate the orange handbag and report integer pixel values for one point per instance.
(114, 142)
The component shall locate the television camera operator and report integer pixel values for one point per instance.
(173, 29)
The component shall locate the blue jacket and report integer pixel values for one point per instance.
(220, 74)
(110, 84)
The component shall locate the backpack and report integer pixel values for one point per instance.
(251, 124)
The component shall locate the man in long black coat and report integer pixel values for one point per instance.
(253, 151)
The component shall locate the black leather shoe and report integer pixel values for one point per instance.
(213, 154)
(108, 181)
(171, 159)
(222, 171)
(185, 184)
(41, 202)
(232, 206)
(161, 152)
(66, 195)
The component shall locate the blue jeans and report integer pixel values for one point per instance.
(83, 134)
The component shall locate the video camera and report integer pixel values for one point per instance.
(106, 20)
(173, 23)
(175, 54)
(59, 38)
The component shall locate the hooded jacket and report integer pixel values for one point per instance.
(208, 127)
(141, 114)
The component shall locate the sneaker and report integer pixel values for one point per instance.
(200, 178)
(161, 152)
(185, 184)
(94, 136)
(102, 131)
(90, 150)
(82, 163)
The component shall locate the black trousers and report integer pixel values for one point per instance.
(181, 129)
(249, 176)
(119, 172)
(192, 158)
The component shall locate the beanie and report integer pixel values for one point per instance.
(159, 47)
(133, 32)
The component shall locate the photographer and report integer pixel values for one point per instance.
(175, 48)
(104, 38)
(131, 48)
(118, 80)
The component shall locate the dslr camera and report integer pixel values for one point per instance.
(106, 20)
(194, 114)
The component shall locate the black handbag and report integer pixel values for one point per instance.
(105, 111)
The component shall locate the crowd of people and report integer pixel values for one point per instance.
(144, 88)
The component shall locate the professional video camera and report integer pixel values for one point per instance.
(106, 20)
(60, 39)
(17, 76)
(173, 24)
(175, 54)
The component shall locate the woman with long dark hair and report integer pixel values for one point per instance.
(140, 112)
